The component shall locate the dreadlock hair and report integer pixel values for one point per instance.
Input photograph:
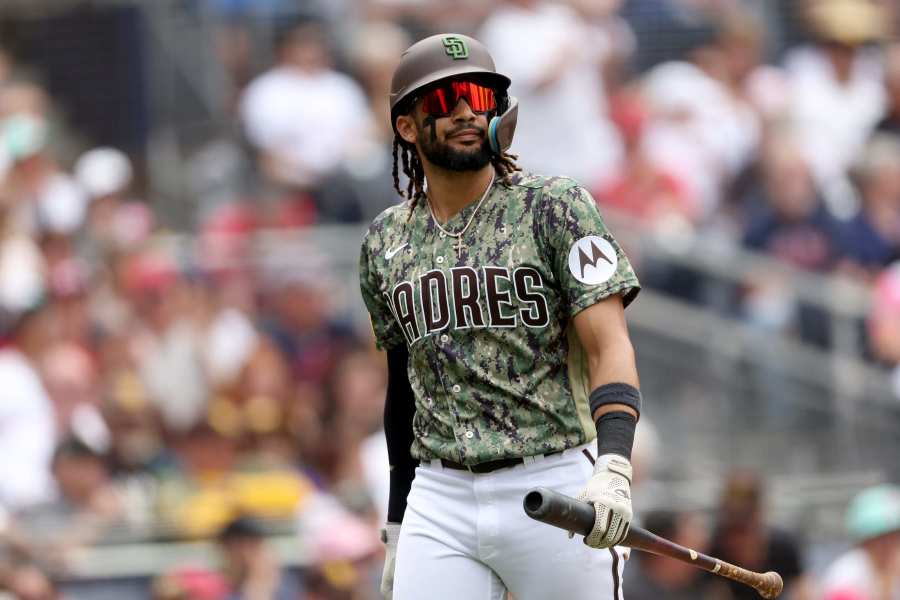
(412, 168)
(504, 164)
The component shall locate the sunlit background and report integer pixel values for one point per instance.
(190, 398)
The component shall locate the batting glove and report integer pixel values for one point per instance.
(389, 535)
(609, 490)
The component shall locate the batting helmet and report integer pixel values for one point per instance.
(448, 55)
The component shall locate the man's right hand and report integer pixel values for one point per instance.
(389, 535)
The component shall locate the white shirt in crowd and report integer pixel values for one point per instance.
(698, 129)
(27, 433)
(852, 575)
(305, 118)
(562, 128)
(376, 466)
(228, 344)
(22, 272)
(833, 120)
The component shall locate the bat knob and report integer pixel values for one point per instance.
(771, 586)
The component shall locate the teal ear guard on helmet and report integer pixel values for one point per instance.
(502, 127)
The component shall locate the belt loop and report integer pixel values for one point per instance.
(530, 460)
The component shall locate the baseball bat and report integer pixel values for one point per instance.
(553, 508)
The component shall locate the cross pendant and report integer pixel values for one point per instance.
(458, 246)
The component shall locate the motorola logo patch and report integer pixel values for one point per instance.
(592, 260)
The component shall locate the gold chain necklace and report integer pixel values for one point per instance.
(458, 235)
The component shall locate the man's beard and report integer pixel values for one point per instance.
(444, 155)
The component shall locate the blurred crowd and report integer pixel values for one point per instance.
(158, 386)
(768, 126)
(740, 534)
(151, 397)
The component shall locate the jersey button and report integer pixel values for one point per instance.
(470, 435)
(445, 338)
(440, 260)
(456, 389)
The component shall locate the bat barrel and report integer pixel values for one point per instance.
(553, 508)
(770, 586)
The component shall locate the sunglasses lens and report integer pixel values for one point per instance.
(442, 100)
(480, 98)
(437, 102)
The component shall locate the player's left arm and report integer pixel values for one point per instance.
(597, 282)
(615, 406)
(603, 334)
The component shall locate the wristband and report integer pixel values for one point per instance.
(616, 393)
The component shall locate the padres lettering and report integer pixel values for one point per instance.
(468, 297)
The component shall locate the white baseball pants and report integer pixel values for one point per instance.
(466, 537)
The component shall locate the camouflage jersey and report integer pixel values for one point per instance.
(495, 364)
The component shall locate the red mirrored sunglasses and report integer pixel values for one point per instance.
(441, 100)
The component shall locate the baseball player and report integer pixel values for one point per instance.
(499, 296)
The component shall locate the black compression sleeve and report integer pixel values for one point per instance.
(399, 407)
(615, 430)
(615, 434)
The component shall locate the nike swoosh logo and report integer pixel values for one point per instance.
(390, 253)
